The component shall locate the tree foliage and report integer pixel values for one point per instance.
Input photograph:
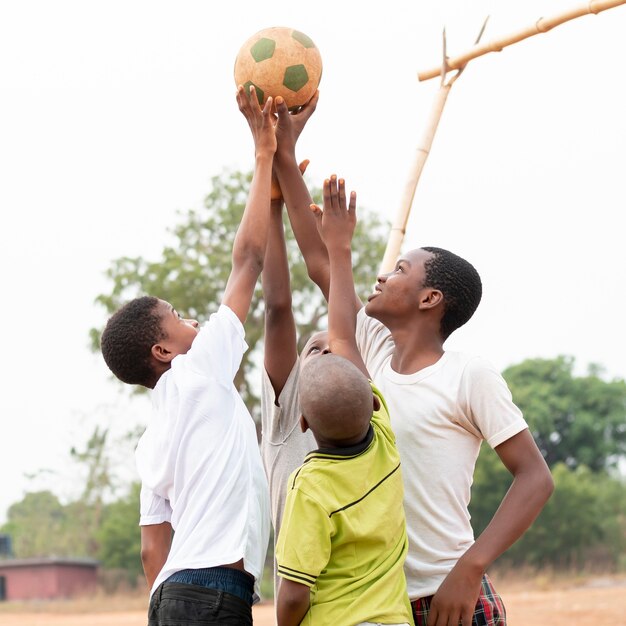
(37, 526)
(583, 525)
(119, 535)
(41, 525)
(192, 272)
(578, 421)
(579, 424)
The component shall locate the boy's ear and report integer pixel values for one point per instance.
(304, 425)
(376, 402)
(431, 298)
(161, 353)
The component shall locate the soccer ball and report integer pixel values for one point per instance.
(280, 61)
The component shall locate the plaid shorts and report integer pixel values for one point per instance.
(489, 608)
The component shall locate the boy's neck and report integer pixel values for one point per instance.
(326, 444)
(415, 350)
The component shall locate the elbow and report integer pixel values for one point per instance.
(293, 600)
(548, 485)
(279, 308)
(146, 557)
(318, 272)
(291, 604)
(151, 553)
(543, 485)
(251, 257)
(315, 274)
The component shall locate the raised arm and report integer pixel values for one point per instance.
(336, 225)
(296, 194)
(281, 349)
(251, 238)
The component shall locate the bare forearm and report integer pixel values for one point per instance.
(281, 351)
(275, 278)
(341, 315)
(151, 569)
(290, 617)
(518, 510)
(298, 201)
(251, 238)
(292, 604)
(155, 547)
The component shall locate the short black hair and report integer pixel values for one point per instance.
(460, 284)
(335, 399)
(127, 341)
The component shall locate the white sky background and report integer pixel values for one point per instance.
(115, 115)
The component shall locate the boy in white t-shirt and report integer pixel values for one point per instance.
(199, 462)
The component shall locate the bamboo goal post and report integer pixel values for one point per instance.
(542, 25)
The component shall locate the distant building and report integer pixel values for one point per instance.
(46, 578)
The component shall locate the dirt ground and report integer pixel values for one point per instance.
(601, 603)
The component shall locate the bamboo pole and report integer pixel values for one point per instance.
(398, 228)
(542, 25)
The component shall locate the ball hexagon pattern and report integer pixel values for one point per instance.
(280, 61)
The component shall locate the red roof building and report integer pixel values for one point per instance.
(47, 579)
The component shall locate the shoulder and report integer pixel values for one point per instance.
(486, 400)
(477, 376)
(307, 487)
(217, 349)
(471, 367)
(224, 320)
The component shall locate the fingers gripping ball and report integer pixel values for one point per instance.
(280, 61)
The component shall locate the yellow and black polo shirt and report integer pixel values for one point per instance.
(343, 532)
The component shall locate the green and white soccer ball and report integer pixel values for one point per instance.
(280, 61)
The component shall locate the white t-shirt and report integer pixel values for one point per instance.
(199, 459)
(440, 415)
(283, 444)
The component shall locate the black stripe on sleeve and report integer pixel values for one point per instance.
(294, 574)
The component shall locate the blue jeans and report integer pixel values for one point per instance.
(213, 596)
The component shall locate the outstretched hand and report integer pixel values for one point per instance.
(290, 125)
(336, 222)
(261, 121)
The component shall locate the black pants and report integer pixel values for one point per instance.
(179, 604)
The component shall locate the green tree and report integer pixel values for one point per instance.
(583, 525)
(192, 272)
(576, 420)
(119, 536)
(86, 512)
(579, 424)
(40, 525)
(37, 525)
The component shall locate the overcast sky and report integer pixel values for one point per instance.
(115, 115)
